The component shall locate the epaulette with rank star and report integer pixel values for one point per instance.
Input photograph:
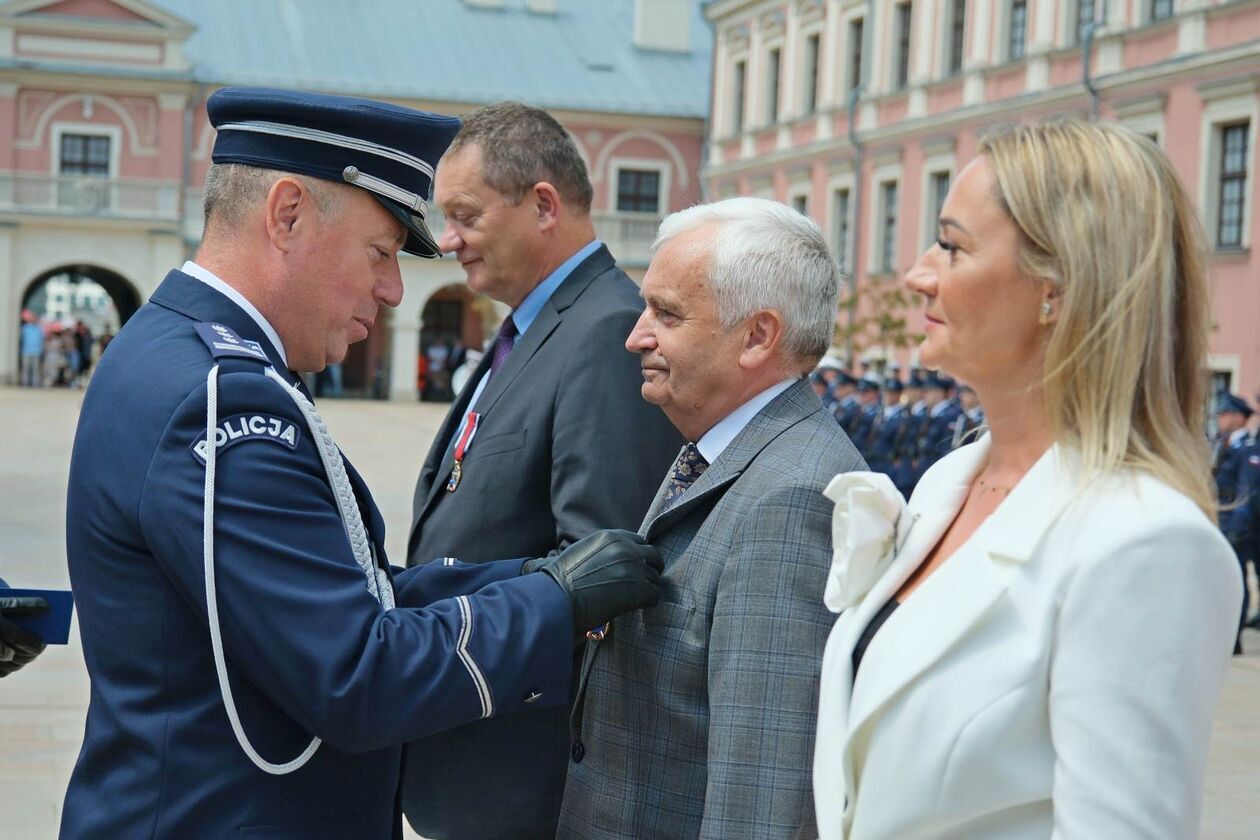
(225, 343)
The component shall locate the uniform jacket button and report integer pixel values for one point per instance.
(578, 752)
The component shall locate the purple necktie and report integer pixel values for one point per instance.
(503, 344)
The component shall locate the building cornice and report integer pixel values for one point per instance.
(1127, 83)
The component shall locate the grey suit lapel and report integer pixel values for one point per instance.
(783, 412)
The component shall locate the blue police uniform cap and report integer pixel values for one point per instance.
(942, 382)
(388, 150)
(1232, 402)
(847, 378)
(893, 384)
(865, 384)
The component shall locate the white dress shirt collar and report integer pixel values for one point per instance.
(213, 281)
(715, 441)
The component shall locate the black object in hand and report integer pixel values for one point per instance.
(605, 574)
(18, 646)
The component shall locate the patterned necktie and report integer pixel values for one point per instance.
(688, 466)
(503, 344)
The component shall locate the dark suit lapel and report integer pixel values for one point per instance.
(549, 317)
(784, 411)
(441, 455)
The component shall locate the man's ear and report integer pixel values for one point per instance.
(763, 335)
(547, 203)
(288, 212)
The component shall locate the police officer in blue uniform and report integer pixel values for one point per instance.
(1241, 525)
(848, 406)
(1232, 439)
(864, 423)
(255, 660)
(886, 434)
(1233, 470)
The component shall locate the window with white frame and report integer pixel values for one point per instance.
(800, 203)
(773, 63)
(957, 37)
(840, 224)
(901, 74)
(1017, 30)
(855, 53)
(813, 48)
(84, 154)
(638, 190)
(1159, 10)
(1232, 185)
(887, 227)
(739, 85)
(938, 188)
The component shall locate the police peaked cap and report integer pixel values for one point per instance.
(388, 150)
(865, 384)
(892, 383)
(1232, 402)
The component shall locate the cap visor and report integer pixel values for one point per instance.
(419, 241)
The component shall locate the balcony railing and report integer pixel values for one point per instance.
(88, 197)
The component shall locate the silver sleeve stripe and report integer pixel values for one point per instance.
(316, 135)
(479, 680)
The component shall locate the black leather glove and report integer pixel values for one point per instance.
(17, 645)
(604, 575)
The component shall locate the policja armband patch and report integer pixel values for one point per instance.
(224, 342)
(242, 427)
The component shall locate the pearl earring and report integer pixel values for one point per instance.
(1046, 311)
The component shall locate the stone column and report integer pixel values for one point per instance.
(404, 343)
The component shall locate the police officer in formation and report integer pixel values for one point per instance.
(256, 662)
(902, 428)
(1236, 470)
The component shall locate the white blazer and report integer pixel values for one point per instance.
(1055, 677)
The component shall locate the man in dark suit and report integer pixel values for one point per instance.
(548, 441)
(696, 718)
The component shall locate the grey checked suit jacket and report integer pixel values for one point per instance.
(566, 446)
(698, 714)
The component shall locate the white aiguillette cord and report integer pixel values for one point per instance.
(377, 580)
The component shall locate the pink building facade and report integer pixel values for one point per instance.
(872, 169)
(104, 146)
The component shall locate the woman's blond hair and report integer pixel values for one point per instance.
(1105, 218)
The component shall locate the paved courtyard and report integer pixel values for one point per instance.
(42, 708)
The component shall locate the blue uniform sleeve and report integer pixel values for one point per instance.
(296, 616)
(1239, 523)
(448, 577)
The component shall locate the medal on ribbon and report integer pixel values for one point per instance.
(461, 449)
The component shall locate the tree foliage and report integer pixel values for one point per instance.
(874, 316)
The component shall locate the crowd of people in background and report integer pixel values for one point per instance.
(58, 353)
(440, 359)
(901, 426)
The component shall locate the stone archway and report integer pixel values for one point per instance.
(79, 308)
(454, 321)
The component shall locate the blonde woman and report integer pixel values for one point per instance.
(1035, 645)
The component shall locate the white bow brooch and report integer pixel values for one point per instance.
(864, 534)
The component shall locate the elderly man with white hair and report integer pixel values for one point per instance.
(695, 718)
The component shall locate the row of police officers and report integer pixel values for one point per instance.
(901, 428)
